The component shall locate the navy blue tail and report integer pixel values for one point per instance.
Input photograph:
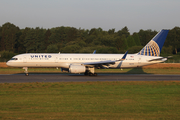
(153, 48)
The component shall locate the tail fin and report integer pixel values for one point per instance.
(153, 48)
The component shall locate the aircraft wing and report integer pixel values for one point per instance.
(107, 62)
(100, 62)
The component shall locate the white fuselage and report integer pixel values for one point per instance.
(65, 60)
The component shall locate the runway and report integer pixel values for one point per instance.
(21, 78)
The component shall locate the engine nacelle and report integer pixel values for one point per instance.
(77, 69)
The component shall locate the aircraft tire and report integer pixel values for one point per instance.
(95, 74)
(90, 74)
(86, 73)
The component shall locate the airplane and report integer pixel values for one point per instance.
(86, 63)
(94, 52)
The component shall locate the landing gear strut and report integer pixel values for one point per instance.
(26, 71)
(90, 72)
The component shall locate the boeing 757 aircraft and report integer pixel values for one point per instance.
(86, 63)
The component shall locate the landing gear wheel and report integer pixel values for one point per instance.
(26, 71)
(95, 74)
(86, 73)
(91, 74)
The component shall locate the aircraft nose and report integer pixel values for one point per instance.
(8, 63)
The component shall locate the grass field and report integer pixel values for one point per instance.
(9, 70)
(90, 100)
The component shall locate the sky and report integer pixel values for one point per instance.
(88, 14)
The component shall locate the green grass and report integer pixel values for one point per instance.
(90, 100)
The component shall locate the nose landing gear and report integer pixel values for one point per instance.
(26, 71)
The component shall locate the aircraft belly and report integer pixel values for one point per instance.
(40, 64)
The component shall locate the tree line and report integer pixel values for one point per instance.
(72, 40)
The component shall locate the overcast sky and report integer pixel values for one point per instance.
(87, 14)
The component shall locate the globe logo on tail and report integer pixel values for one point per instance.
(151, 49)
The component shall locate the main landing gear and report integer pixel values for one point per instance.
(90, 72)
(26, 71)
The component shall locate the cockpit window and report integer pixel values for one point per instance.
(14, 58)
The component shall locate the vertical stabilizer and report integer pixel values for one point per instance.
(153, 48)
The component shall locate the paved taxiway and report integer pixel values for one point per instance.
(21, 78)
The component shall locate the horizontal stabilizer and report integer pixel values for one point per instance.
(158, 59)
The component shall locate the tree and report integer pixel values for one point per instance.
(134, 49)
(123, 32)
(87, 49)
(167, 50)
(46, 39)
(9, 36)
(40, 37)
(107, 40)
(70, 39)
(52, 48)
(34, 40)
(173, 39)
(58, 35)
(121, 44)
(105, 49)
(130, 41)
(93, 35)
(93, 31)
(111, 31)
(136, 39)
(71, 33)
(1, 47)
(21, 48)
(145, 36)
(71, 48)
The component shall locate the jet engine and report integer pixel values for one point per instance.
(77, 69)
